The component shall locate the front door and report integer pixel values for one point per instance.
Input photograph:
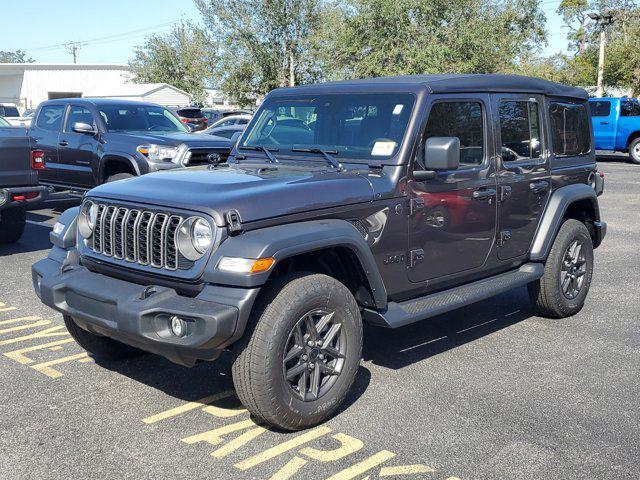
(44, 136)
(452, 222)
(524, 182)
(603, 116)
(77, 151)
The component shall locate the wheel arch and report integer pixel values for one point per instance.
(632, 136)
(112, 164)
(333, 247)
(578, 201)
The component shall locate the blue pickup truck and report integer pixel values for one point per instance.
(616, 125)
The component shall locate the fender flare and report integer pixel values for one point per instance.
(553, 215)
(284, 241)
(118, 157)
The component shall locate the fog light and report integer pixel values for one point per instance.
(178, 326)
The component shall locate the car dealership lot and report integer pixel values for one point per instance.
(489, 391)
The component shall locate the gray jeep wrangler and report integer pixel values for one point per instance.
(385, 201)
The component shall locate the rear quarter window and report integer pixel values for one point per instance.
(570, 129)
(9, 111)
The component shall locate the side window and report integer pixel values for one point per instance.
(459, 119)
(600, 108)
(570, 134)
(78, 114)
(630, 108)
(519, 130)
(50, 118)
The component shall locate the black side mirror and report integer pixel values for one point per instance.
(81, 127)
(440, 153)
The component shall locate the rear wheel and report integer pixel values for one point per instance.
(562, 290)
(12, 223)
(118, 176)
(295, 367)
(98, 346)
(634, 151)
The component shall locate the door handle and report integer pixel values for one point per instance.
(63, 143)
(604, 123)
(539, 186)
(484, 194)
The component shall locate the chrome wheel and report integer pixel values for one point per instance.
(636, 151)
(314, 354)
(574, 268)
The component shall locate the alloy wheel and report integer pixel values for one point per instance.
(574, 268)
(314, 354)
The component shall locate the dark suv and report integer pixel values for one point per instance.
(385, 201)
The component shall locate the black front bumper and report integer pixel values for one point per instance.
(138, 315)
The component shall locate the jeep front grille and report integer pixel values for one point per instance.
(138, 236)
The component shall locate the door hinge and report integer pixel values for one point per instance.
(416, 204)
(415, 257)
(503, 236)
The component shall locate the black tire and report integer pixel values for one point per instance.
(259, 365)
(118, 176)
(100, 347)
(634, 151)
(12, 223)
(547, 294)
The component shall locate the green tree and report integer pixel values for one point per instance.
(381, 37)
(16, 56)
(262, 44)
(184, 58)
(574, 16)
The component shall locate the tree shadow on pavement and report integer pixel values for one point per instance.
(398, 348)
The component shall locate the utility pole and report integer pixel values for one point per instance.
(602, 19)
(73, 48)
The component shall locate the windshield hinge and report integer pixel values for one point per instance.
(234, 222)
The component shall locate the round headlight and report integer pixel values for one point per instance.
(87, 218)
(195, 236)
(201, 235)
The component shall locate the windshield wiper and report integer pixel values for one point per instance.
(261, 148)
(325, 153)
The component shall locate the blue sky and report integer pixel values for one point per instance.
(113, 28)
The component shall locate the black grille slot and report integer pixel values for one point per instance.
(172, 249)
(97, 232)
(144, 228)
(130, 235)
(107, 230)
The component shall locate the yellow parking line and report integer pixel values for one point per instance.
(290, 469)
(8, 309)
(214, 437)
(348, 446)
(361, 467)
(282, 448)
(187, 407)
(53, 373)
(24, 327)
(19, 319)
(238, 442)
(20, 357)
(58, 331)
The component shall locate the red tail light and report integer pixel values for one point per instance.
(37, 160)
(21, 197)
(184, 120)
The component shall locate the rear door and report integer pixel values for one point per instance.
(524, 182)
(603, 116)
(44, 133)
(77, 151)
(452, 222)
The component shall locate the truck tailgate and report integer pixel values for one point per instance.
(15, 162)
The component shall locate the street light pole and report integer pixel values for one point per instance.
(603, 18)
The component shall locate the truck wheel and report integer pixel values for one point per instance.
(12, 223)
(634, 151)
(295, 366)
(563, 288)
(118, 176)
(98, 346)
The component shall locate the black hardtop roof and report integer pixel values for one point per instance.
(454, 83)
(98, 101)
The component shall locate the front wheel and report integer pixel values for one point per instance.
(562, 290)
(12, 223)
(634, 151)
(294, 368)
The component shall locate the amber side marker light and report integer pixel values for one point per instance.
(245, 265)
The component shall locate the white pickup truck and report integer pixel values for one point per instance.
(11, 114)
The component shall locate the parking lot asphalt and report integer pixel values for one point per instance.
(488, 392)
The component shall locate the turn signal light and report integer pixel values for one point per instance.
(245, 265)
(37, 160)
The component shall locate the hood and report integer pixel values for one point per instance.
(194, 140)
(255, 193)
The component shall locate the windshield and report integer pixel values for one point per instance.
(359, 126)
(4, 123)
(140, 118)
